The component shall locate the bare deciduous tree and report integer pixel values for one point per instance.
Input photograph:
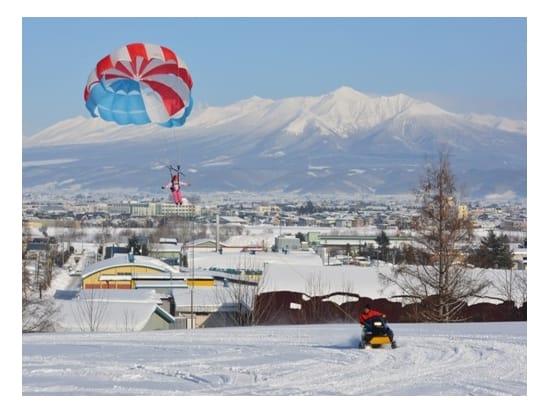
(26, 276)
(37, 312)
(316, 285)
(512, 285)
(521, 285)
(244, 296)
(38, 315)
(244, 292)
(128, 320)
(91, 308)
(435, 274)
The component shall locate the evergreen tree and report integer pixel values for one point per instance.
(138, 245)
(494, 252)
(383, 243)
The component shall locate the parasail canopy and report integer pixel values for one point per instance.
(140, 83)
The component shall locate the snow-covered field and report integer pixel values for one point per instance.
(432, 359)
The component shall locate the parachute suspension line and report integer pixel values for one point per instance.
(175, 153)
(175, 169)
(179, 145)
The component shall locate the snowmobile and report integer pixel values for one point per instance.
(376, 333)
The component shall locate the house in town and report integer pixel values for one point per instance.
(128, 271)
(111, 310)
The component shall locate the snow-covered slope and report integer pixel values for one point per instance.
(263, 145)
(484, 359)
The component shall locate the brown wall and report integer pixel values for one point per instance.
(277, 308)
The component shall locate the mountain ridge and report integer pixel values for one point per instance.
(264, 144)
(381, 107)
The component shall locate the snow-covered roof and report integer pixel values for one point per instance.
(162, 276)
(123, 259)
(232, 219)
(161, 284)
(304, 272)
(109, 310)
(202, 242)
(120, 295)
(205, 299)
(173, 241)
(74, 315)
(166, 246)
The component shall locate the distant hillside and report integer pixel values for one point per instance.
(342, 142)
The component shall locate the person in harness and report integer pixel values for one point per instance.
(175, 184)
(374, 324)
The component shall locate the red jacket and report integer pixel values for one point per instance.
(175, 183)
(370, 314)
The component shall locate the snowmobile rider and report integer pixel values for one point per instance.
(367, 317)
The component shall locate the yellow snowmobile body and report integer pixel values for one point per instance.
(377, 341)
(377, 334)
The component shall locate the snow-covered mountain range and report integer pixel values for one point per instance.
(341, 142)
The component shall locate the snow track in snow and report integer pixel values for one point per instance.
(432, 359)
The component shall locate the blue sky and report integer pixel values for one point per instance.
(463, 65)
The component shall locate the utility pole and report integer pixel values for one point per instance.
(217, 232)
(37, 273)
(192, 271)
